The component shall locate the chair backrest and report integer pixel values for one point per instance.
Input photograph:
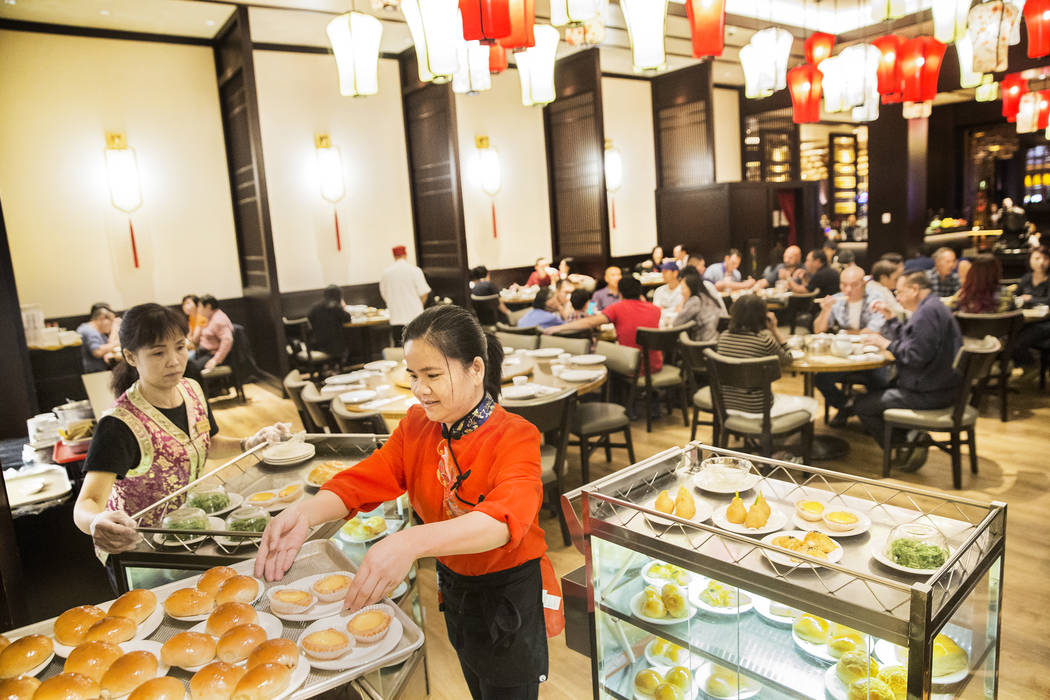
(297, 332)
(515, 314)
(577, 346)
(515, 330)
(663, 339)
(550, 414)
(620, 359)
(99, 393)
(693, 354)
(242, 360)
(356, 422)
(293, 385)
(742, 374)
(318, 407)
(396, 354)
(723, 323)
(1004, 326)
(486, 308)
(518, 341)
(973, 361)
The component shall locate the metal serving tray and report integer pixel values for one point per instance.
(315, 557)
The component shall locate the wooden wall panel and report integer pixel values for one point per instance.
(697, 217)
(683, 125)
(575, 140)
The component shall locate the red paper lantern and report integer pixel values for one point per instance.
(485, 20)
(889, 71)
(804, 84)
(497, 59)
(1044, 110)
(1037, 19)
(920, 63)
(707, 20)
(1010, 89)
(818, 47)
(522, 20)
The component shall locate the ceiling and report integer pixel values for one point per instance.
(302, 23)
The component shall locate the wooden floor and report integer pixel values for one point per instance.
(1014, 467)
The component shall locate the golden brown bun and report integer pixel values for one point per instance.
(21, 688)
(4, 641)
(129, 672)
(187, 602)
(72, 626)
(92, 659)
(216, 681)
(188, 649)
(24, 654)
(67, 686)
(239, 589)
(275, 651)
(230, 615)
(135, 605)
(263, 682)
(163, 688)
(111, 629)
(239, 642)
(212, 579)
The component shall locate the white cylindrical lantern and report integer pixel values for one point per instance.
(436, 30)
(536, 66)
(949, 19)
(645, 30)
(572, 12)
(764, 61)
(355, 39)
(473, 75)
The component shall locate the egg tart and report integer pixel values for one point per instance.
(369, 625)
(290, 492)
(326, 644)
(841, 520)
(810, 510)
(332, 587)
(291, 601)
(262, 498)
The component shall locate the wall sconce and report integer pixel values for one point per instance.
(489, 173)
(330, 176)
(613, 175)
(122, 172)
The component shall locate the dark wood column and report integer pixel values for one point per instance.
(434, 179)
(239, 105)
(575, 136)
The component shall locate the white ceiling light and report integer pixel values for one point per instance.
(436, 29)
(536, 66)
(833, 84)
(949, 19)
(473, 75)
(355, 39)
(862, 90)
(645, 29)
(764, 61)
(573, 11)
(968, 77)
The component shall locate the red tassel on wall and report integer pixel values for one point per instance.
(494, 232)
(338, 240)
(612, 210)
(134, 248)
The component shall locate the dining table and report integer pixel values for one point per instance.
(515, 298)
(393, 397)
(362, 321)
(775, 298)
(1036, 314)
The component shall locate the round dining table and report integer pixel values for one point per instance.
(394, 395)
(363, 324)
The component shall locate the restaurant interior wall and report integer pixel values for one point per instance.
(726, 103)
(522, 230)
(299, 98)
(627, 109)
(70, 247)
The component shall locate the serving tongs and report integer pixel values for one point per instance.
(227, 547)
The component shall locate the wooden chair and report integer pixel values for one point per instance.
(486, 308)
(799, 311)
(300, 347)
(320, 409)
(514, 314)
(551, 416)
(514, 330)
(623, 364)
(1005, 327)
(699, 384)
(235, 370)
(754, 373)
(396, 354)
(519, 341)
(974, 361)
(575, 346)
(356, 422)
(664, 340)
(293, 386)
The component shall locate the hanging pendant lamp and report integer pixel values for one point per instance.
(818, 47)
(990, 26)
(861, 63)
(987, 91)
(888, 9)
(591, 32)
(835, 76)
(889, 72)
(645, 29)
(1037, 22)
(497, 59)
(436, 31)
(522, 20)
(485, 20)
(707, 20)
(804, 83)
(764, 60)
(571, 12)
(1012, 88)
(472, 76)
(920, 67)
(968, 77)
(949, 19)
(536, 67)
(355, 39)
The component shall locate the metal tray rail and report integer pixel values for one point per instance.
(315, 557)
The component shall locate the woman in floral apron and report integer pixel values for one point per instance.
(472, 473)
(157, 436)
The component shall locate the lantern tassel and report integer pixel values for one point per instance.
(613, 210)
(338, 240)
(495, 233)
(134, 248)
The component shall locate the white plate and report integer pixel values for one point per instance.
(662, 669)
(744, 603)
(148, 627)
(392, 525)
(862, 526)
(192, 583)
(214, 523)
(834, 685)
(777, 520)
(517, 392)
(664, 662)
(746, 483)
(381, 365)
(299, 676)
(588, 360)
(879, 556)
(359, 654)
(817, 651)
(636, 610)
(580, 375)
(703, 512)
(659, 582)
(359, 396)
(508, 350)
(886, 652)
(278, 506)
(545, 352)
(750, 689)
(787, 559)
(350, 377)
(319, 610)
(762, 607)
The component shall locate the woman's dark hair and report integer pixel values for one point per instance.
(579, 299)
(196, 299)
(333, 295)
(748, 314)
(570, 263)
(980, 292)
(479, 272)
(98, 308)
(695, 285)
(542, 297)
(142, 326)
(630, 288)
(456, 333)
(209, 301)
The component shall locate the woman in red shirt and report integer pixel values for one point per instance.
(472, 473)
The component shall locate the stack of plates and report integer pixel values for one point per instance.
(285, 453)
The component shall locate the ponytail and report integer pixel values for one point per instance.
(124, 375)
(493, 366)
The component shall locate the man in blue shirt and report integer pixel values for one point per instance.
(944, 278)
(726, 274)
(541, 314)
(610, 293)
(98, 337)
(925, 347)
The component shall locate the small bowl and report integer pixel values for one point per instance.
(840, 519)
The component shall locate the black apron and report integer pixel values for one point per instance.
(496, 624)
